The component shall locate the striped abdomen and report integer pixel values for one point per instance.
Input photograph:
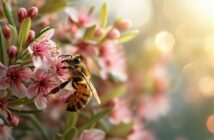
(81, 96)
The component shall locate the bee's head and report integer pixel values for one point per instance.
(74, 60)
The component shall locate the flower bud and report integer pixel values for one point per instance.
(11, 51)
(98, 32)
(3, 103)
(113, 34)
(6, 32)
(1, 10)
(21, 13)
(122, 24)
(13, 120)
(31, 36)
(32, 12)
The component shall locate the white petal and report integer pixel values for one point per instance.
(37, 61)
(19, 90)
(40, 102)
(32, 91)
(94, 134)
(72, 13)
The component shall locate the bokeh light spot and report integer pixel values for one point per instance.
(164, 41)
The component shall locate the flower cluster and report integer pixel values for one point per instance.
(32, 66)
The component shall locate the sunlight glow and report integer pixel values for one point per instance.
(164, 41)
(204, 10)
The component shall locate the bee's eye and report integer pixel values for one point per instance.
(77, 60)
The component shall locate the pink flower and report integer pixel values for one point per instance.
(121, 112)
(86, 48)
(93, 134)
(62, 74)
(81, 18)
(5, 131)
(43, 83)
(159, 79)
(14, 77)
(112, 61)
(141, 135)
(139, 132)
(152, 108)
(42, 49)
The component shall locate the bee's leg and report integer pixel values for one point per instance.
(61, 86)
(67, 67)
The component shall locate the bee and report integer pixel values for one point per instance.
(80, 80)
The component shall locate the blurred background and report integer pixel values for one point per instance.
(170, 64)
(178, 36)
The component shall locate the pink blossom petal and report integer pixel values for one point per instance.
(72, 13)
(37, 62)
(4, 84)
(48, 34)
(2, 70)
(19, 90)
(94, 134)
(39, 74)
(52, 44)
(47, 62)
(26, 74)
(40, 102)
(32, 91)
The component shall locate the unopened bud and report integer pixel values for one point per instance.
(6, 32)
(1, 10)
(11, 51)
(13, 120)
(113, 34)
(73, 29)
(32, 12)
(31, 36)
(111, 104)
(98, 32)
(22, 13)
(123, 24)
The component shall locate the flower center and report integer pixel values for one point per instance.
(13, 76)
(42, 83)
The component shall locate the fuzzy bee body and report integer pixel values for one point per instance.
(79, 78)
(81, 96)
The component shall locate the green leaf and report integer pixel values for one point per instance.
(71, 120)
(24, 111)
(42, 32)
(2, 48)
(91, 10)
(14, 34)
(122, 129)
(89, 32)
(8, 14)
(21, 101)
(70, 130)
(116, 92)
(52, 6)
(40, 127)
(125, 37)
(103, 16)
(24, 32)
(70, 133)
(94, 119)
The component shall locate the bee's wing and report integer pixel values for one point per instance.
(93, 90)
